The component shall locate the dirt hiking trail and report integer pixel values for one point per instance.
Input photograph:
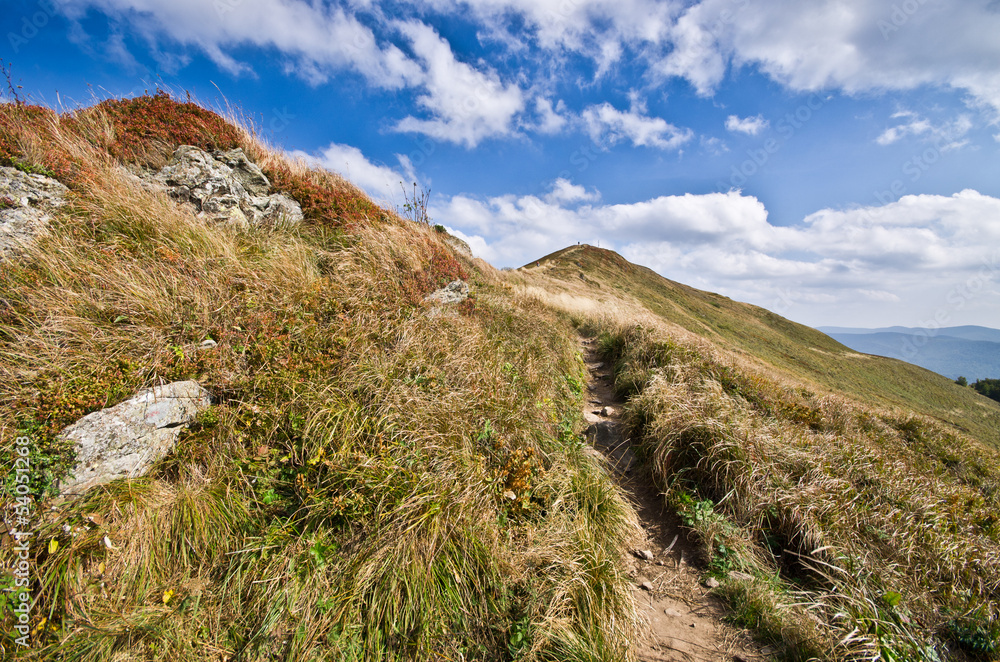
(683, 622)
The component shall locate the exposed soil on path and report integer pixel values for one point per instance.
(683, 622)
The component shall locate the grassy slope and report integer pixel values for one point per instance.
(799, 351)
(371, 482)
(840, 528)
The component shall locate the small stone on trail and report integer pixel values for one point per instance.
(711, 582)
(660, 563)
(693, 624)
(607, 411)
(646, 586)
(644, 554)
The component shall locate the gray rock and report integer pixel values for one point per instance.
(247, 173)
(454, 292)
(711, 582)
(125, 440)
(646, 586)
(644, 554)
(227, 188)
(607, 411)
(459, 245)
(26, 202)
(208, 343)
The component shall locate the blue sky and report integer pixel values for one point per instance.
(835, 161)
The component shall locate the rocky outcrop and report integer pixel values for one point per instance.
(226, 187)
(26, 202)
(454, 292)
(125, 440)
(459, 245)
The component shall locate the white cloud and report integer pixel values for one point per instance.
(595, 28)
(319, 39)
(381, 182)
(714, 146)
(949, 135)
(608, 125)
(917, 256)
(748, 125)
(566, 191)
(551, 120)
(467, 105)
(851, 45)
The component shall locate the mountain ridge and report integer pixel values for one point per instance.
(797, 350)
(952, 352)
(965, 332)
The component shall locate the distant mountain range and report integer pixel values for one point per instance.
(970, 351)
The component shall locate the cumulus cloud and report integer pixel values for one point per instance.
(320, 39)
(748, 125)
(916, 253)
(551, 119)
(607, 126)
(851, 45)
(466, 105)
(596, 28)
(565, 191)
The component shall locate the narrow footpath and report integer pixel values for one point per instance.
(683, 622)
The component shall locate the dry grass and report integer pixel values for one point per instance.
(861, 532)
(869, 534)
(347, 496)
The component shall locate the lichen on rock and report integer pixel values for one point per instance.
(125, 440)
(226, 187)
(28, 200)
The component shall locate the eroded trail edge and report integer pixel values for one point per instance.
(683, 621)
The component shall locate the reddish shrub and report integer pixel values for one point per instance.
(148, 128)
(326, 201)
(441, 267)
(27, 141)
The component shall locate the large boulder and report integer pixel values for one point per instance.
(26, 202)
(125, 440)
(227, 187)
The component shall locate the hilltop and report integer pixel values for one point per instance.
(796, 351)
(380, 452)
